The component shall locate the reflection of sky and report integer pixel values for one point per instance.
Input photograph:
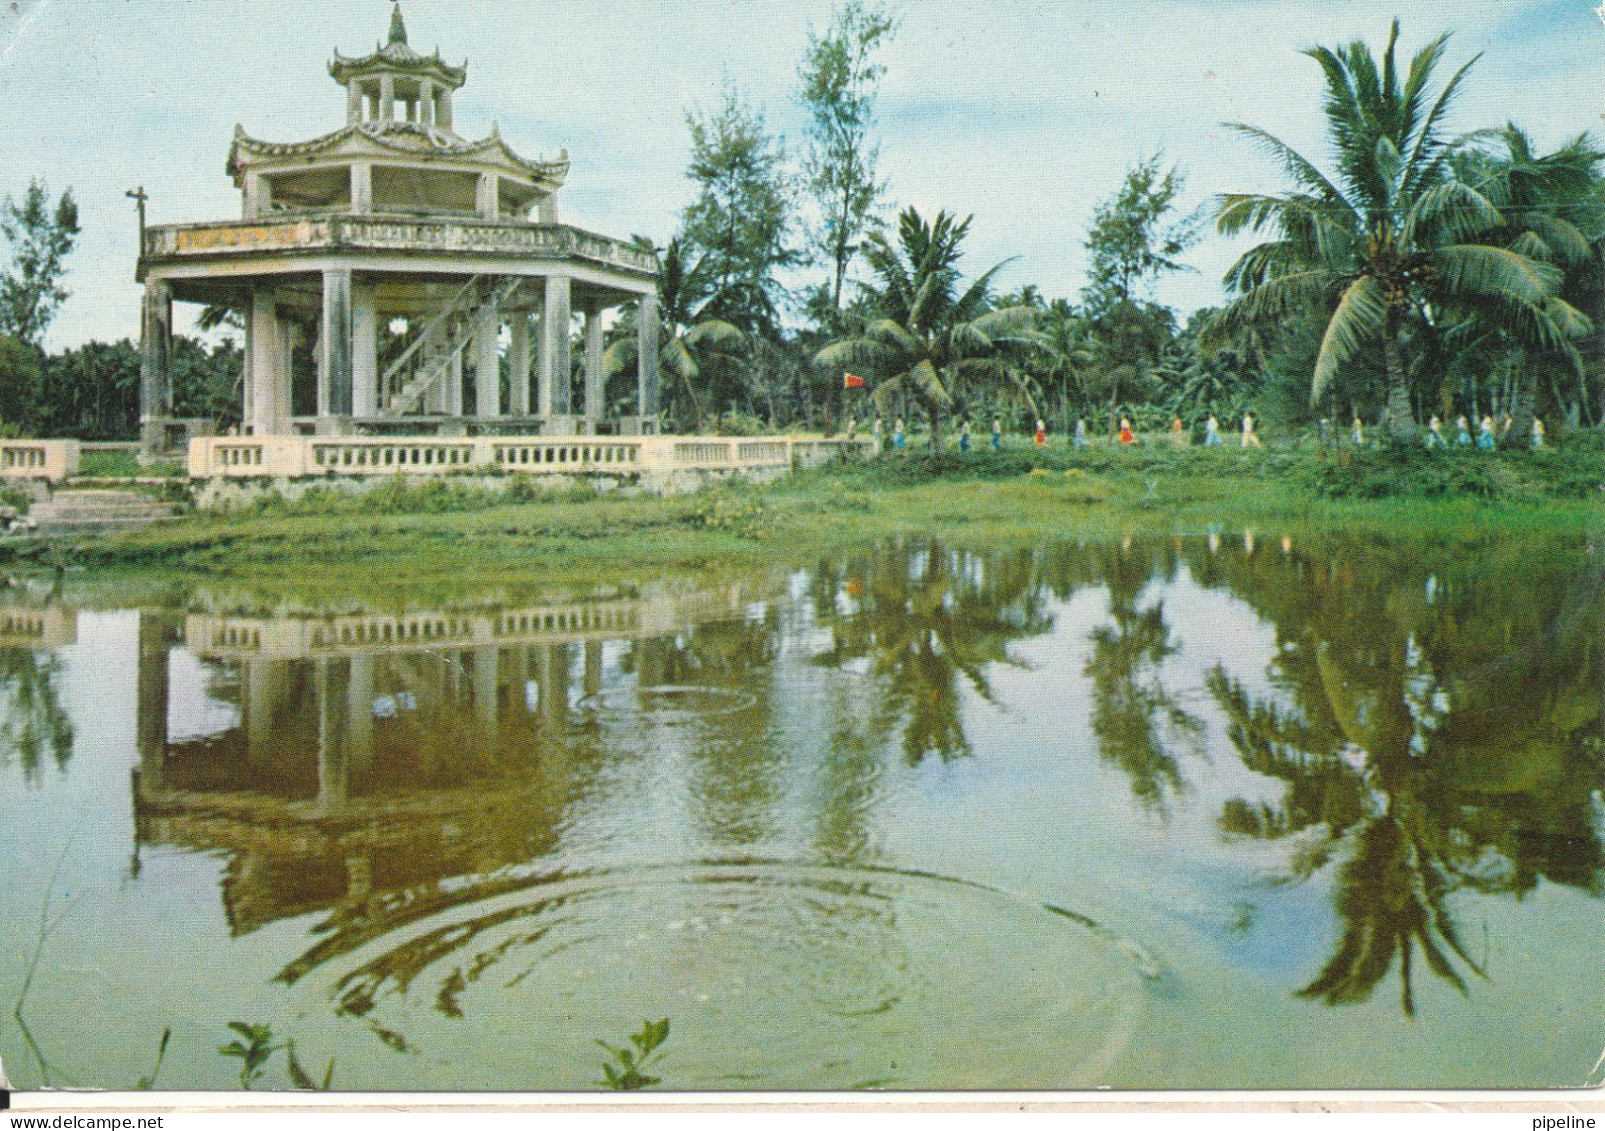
(192, 712)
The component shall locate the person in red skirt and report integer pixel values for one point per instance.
(1127, 436)
(1042, 432)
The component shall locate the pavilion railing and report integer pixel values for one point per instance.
(290, 457)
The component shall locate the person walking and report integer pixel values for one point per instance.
(1127, 436)
(1211, 431)
(1462, 432)
(852, 428)
(1079, 439)
(1538, 432)
(899, 440)
(877, 433)
(964, 435)
(1485, 434)
(1435, 433)
(1357, 432)
(997, 433)
(1042, 433)
(1250, 440)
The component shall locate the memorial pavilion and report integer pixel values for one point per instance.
(380, 269)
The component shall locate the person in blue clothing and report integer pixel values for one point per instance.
(997, 433)
(1211, 431)
(899, 440)
(1079, 438)
(964, 435)
(1462, 432)
(1485, 434)
(1435, 433)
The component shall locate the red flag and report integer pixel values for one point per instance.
(852, 381)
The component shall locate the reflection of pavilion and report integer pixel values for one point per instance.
(50, 627)
(369, 754)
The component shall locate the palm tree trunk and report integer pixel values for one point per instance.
(1401, 419)
(1523, 402)
(934, 413)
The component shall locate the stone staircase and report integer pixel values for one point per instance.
(448, 334)
(91, 510)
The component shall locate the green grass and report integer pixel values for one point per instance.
(444, 536)
(121, 464)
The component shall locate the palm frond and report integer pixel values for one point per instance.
(1360, 317)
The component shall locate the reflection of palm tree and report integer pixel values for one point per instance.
(929, 619)
(1391, 897)
(1420, 783)
(1129, 700)
(34, 720)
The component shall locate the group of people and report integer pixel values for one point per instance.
(1078, 436)
(1486, 438)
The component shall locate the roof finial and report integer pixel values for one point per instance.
(398, 27)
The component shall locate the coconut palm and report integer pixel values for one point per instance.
(1547, 202)
(691, 340)
(928, 339)
(1392, 237)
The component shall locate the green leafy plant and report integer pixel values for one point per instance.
(626, 1072)
(255, 1047)
(300, 1077)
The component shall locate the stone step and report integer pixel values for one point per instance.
(98, 509)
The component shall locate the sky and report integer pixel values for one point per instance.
(1023, 113)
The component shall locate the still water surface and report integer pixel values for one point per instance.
(1224, 812)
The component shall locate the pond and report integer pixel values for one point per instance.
(1218, 812)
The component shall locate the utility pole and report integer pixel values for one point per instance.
(139, 198)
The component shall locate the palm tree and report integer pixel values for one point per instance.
(691, 339)
(928, 340)
(1391, 238)
(1546, 202)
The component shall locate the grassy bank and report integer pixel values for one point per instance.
(441, 532)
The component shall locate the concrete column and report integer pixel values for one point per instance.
(353, 103)
(270, 375)
(361, 187)
(248, 406)
(488, 366)
(155, 366)
(595, 377)
(333, 775)
(426, 101)
(488, 197)
(454, 385)
(150, 724)
(518, 364)
(593, 667)
(258, 199)
(359, 716)
(554, 364)
(546, 210)
(443, 110)
(646, 362)
(334, 345)
(487, 674)
(364, 349)
(260, 702)
(387, 97)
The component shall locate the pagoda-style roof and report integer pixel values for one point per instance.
(408, 139)
(396, 56)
